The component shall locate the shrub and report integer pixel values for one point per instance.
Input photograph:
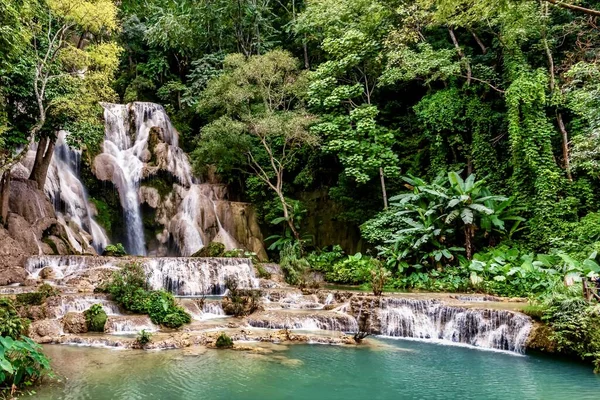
(128, 287)
(48, 290)
(379, 277)
(292, 263)
(240, 302)
(11, 324)
(325, 260)
(354, 270)
(115, 250)
(30, 299)
(224, 341)
(213, 249)
(22, 362)
(143, 338)
(576, 326)
(262, 272)
(95, 318)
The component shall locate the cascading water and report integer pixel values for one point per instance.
(181, 276)
(68, 194)
(430, 319)
(131, 324)
(312, 321)
(141, 143)
(127, 170)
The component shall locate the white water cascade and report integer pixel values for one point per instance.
(179, 275)
(68, 194)
(127, 168)
(141, 144)
(433, 320)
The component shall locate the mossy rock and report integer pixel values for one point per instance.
(224, 342)
(214, 249)
(95, 318)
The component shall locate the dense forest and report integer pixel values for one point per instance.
(428, 144)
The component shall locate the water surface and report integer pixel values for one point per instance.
(394, 369)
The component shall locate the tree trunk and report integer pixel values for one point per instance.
(383, 191)
(468, 241)
(4, 195)
(43, 156)
(565, 145)
(461, 54)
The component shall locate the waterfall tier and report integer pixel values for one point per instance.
(181, 276)
(434, 320)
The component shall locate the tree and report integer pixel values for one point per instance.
(262, 126)
(351, 33)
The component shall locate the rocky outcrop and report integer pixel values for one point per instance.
(74, 322)
(45, 330)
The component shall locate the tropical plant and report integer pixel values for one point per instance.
(355, 270)
(143, 338)
(21, 362)
(115, 250)
(11, 324)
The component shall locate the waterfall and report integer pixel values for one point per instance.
(68, 194)
(430, 319)
(181, 276)
(129, 324)
(127, 171)
(329, 321)
(80, 304)
(196, 276)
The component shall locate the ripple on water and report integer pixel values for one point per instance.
(412, 370)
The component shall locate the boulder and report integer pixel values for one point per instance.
(21, 230)
(74, 322)
(45, 330)
(104, 168)
(29, 202)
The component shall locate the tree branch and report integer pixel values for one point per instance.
(573, 7)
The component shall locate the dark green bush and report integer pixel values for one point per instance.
(30, 299)
(224, 341)
(115, 250)
(128, 287)
(95, 318)
(354, 270)
(262, 272)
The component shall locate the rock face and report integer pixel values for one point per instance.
(45, 330)
(74, 322)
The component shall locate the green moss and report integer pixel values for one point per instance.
(224, 341)
(31, 299)
(105, 215)
(161, 185)
(95, 318)
(52, 245)
(213, 249)
(153, 140)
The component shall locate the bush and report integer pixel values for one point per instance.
(576, 326)
(30, 299)
(262, 272)
(325, 260)
(354, 270)
(379, 277)
(11, 324)
(95, 318)
(292, 263)
(48, 290)
(213, 249)
(129, 289)
(143, 338)
(22, 362)
(224, 341)
(114, 250)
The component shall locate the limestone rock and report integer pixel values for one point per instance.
(29, 202)
(45, 330)
(104, 168)
(21, 230)
(74, 322)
